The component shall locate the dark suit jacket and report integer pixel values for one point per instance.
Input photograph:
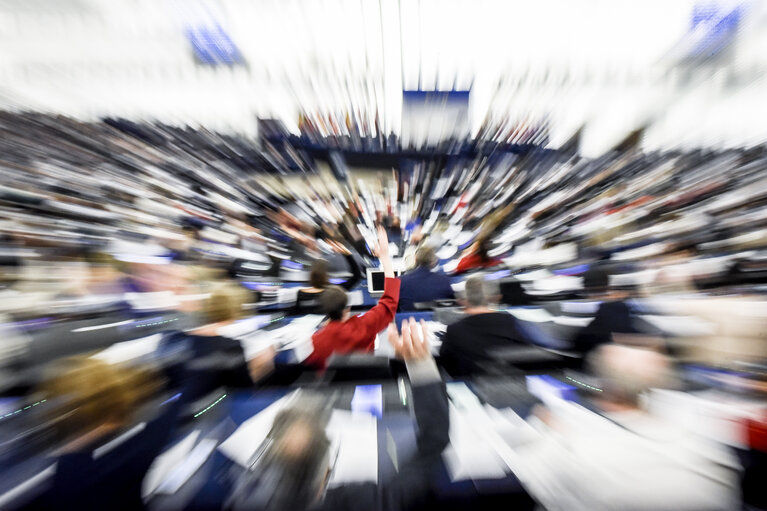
(196, 365)
(611, 317)
(469, 342)
(423, 285)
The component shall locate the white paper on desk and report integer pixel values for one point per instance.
(513, 429)
(469, 456)
(245, 326)
(166, 462)
(308, 320)
(356, 435)
(186, 469)
(298, 331)
(580, 307)
(435, 327)
(534, 315)
(254, 344)
(461, 397)
(572, 321)
(243, 443)
(287, 294)
(356, 298)
(129, 350)
(302, 350)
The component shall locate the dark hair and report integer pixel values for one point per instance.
(482, 248)
(425, 257)
(596, 279)
(318, 275)
(333, 302)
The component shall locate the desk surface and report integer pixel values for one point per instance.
(212, 483)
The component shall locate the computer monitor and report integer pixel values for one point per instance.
(376, 280)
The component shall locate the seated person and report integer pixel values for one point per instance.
(627, 457)
(109, 423)
(294, 470)
(308, 298)
(344, 333)
(613, 315)
(469, 342)
(423, 283)
(477, 257)
(201, 360)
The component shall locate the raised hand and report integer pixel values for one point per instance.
(412, 344)
(382, 251)
(382, 245)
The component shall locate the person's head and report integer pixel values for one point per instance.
(480, 292)
(318, 274)
(294, 468)
(225, 302)
(596, 280)
(628, 372)
(103, 268)
(334, 303)
(86, 393)
(425, 257)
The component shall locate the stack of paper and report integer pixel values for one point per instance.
(353, 436)
(481, 437)
(356, 438)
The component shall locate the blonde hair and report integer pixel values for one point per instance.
(225, 303)
(85, 393)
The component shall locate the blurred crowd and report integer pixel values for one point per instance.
(113, 231)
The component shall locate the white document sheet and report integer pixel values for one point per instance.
(356, 298)
(533, 315)
(188, 466)
(572, 321)
(244, 442)
(580, 307)
(469, 456)
(353, 436)
(129, 350)
(166, 462)
(356, 438)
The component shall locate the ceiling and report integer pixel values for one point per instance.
(608, 65)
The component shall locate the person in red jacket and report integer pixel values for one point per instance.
(478, 258)
(345, 333)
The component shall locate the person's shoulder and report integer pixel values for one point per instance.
(439, 272)
(495, 317)
(614, 306)
(468, 319)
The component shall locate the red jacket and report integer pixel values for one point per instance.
(473, 262)
(359, 332)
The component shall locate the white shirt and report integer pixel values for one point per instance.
(635, 463)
